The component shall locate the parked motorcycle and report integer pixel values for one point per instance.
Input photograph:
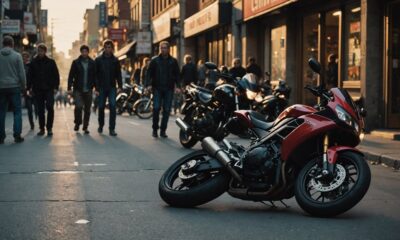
(122, 97)
(272, 105)
(307, 152)
(206, 112)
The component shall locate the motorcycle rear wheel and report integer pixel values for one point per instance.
(327, 199)
(200, 188)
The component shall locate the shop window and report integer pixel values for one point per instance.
(353, 44)
(278, 54)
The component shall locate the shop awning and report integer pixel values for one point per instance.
(121, 54)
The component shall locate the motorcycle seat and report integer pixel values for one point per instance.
(259, 120)
(200, 89)
(205, 97)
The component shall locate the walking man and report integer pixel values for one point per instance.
(29, 99)
(44, 80)
(162, 74)
(81, 78)
(108, 75)
(12, 82)
(189, 71)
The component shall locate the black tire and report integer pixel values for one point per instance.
(347, 194)
(140, 110)
(202, 190)
(187, 140)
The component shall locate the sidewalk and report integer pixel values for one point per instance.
(381, 150)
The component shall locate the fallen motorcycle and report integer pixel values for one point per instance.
(307, 152)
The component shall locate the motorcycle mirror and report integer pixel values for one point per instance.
(315, 65)
(211, 65)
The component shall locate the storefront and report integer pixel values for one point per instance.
(165, 27)
(208, 34)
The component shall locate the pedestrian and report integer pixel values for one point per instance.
(252, 67)
(332, 71)
(125, 75)
(201, 73)
(143, 71)
(237, 71)
(189, 71)
(108, 75)
(81, 79)
(162, 74)
(136, 74)
(44, 80)
(12, 83)
(30, 102)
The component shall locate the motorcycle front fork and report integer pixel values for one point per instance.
(327, 167)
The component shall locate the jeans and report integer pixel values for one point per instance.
(45, 100)
(162, 98)
(13, 95)
(31, 106)
(83, 101)
(111, 94)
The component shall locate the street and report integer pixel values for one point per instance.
(51, 186)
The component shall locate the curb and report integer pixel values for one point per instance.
(382, 159)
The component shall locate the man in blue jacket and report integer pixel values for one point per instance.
(12, 82)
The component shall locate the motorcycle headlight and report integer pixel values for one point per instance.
(345, 117)
(250, 94)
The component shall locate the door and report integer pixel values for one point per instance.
(393, 66)
(321, 40)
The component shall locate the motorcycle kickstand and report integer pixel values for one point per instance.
(284, 204)
(272, 204)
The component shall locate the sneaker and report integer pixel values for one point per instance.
(163, 135)
(41, 132)
(49, 132)
(85, 130)
(18, 139)
(76, 128)
(154, 134)
(100, 130)
(113, 133)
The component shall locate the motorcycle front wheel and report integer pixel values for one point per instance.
(330, 197)
(144, 108)
(181, 189)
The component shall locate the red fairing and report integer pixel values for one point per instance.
(333, 152)
(313, 126)
(295, 111)
(243, 115)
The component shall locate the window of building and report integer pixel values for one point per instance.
(353, 44)
(278, 53)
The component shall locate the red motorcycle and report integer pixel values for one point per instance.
(306, 152)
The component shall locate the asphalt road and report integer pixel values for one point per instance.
(76, 186)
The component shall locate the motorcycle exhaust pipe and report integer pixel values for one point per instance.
(182, 125)
(212, 148)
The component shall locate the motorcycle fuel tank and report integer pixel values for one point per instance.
(295, 111)
(225, 94)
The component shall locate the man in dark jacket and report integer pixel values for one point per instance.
(108, 75)
(44, 80)
(237, 71)
(252, 67)
(82, 77)
(162, 74)
(189, 71)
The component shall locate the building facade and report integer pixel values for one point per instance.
(91, 29)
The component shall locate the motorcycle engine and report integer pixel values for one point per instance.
(261, 161)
